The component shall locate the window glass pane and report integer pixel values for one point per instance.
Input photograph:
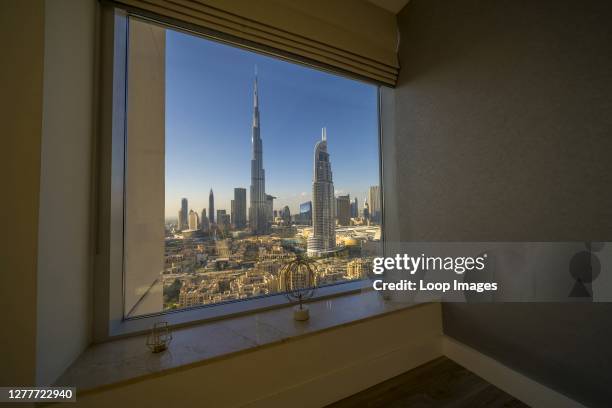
(237, 163)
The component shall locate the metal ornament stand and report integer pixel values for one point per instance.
(159, 338)
(298, 278)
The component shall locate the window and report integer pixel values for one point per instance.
(233, 163)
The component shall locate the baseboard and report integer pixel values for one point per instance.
(514, 383)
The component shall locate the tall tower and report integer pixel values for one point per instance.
(257, 209)
(343, 209)
(355, 208)
(239, 208)
(211, 206)
(204, 221)
(183, 215)
(194, 221)
(374, 204)
(323, 237)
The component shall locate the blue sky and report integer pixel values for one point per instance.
(209, 100)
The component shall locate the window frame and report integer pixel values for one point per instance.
(108, 282)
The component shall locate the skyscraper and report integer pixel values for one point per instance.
(374, 204)
(239, 208)
(285, 214)
(269, 208)
(211, 206)
(194, 220)
(323, 237)
(223, 220)
(183, 215)
(257, 209)
(306, 213)
(355, 208)
(204, 221)
(343, 209)
(219, 214)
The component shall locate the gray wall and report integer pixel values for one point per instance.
(504, 132)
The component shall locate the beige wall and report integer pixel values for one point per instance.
(46, 105)
(21, 77)
(503, 127)
(64, 242)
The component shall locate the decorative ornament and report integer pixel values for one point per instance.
(160, 337)
(298, 283)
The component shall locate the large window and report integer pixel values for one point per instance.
(236, 162)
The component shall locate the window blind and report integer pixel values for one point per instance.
(352, 36)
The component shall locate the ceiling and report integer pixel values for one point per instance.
(393, 6)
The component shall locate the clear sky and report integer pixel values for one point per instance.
(209, 100)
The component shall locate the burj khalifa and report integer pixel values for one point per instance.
(257, 211)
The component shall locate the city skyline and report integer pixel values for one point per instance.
(197, 162)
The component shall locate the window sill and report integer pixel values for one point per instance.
(203, 314)
(128, 359)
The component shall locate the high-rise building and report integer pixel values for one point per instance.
(285, 214)
(343, 209)
(204, 225)
(306, 213)
(366, 210)
(183, 215)
(239, 208)
(211, 206)
(223, 220)
(257, 211)
(194, 220)
(269, 208)
(355, 208)
(323, 237)
(374, 204)
(219, 214)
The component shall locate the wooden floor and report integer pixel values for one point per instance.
(439, 383)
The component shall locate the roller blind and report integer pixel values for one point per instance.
(353, 36)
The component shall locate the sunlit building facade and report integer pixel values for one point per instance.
(323, 238)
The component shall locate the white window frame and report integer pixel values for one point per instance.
(109, 320)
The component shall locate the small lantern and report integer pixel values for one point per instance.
(160, 337)
(298, 281)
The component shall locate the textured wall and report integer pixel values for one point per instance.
(503, 133)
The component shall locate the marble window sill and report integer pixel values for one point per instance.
(128, 359)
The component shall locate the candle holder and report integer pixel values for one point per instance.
(159, 338)
(298, 282)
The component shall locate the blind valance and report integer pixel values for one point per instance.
(353, 36)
